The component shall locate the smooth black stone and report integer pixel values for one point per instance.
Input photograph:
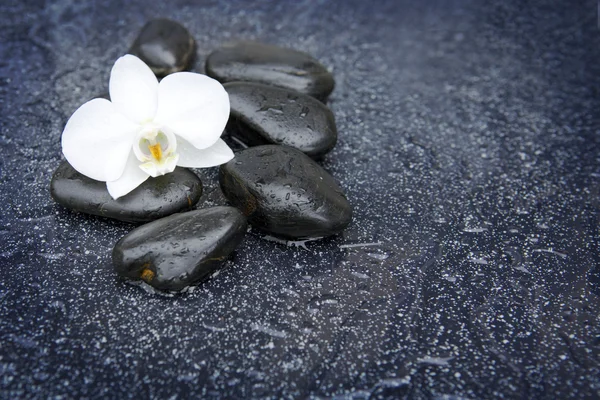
(165, 45)
(271, 65)
(262, 114)
(180, 250)
(156, 198)
(285, 193)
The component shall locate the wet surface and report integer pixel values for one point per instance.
(468, 147)
(262, 114)
(271, 65)
(181, 250)
(285, 193)
(165, 46)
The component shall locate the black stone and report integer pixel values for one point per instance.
(285, 193)
(165, 45)
(271, 65)
(262, 114)
(181, 249)
(153, 199)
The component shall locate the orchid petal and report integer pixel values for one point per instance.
(97, 140)
(191, 157)
(134, 89)
(132, 177)
(193, 106)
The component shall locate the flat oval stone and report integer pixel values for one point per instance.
(271, 65)
(165, 45)
(262, 114)
(180, 250)
(285, 193)
(153, 199)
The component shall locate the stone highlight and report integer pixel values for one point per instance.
(262, 114)
(156, 198)
(271, 65)
(165, 45)
(180, 250)
(284, 193)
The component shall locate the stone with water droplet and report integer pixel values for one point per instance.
(153, 199)
(165, 45)
(180, 250)
(259, 179)
(271, 65)
(262, 114)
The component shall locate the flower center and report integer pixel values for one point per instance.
(156, 151)
(155, 148)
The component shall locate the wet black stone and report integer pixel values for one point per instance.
(262, 114)
(271, 65)
(153, 199)
(165, 45)
(285, 193)
(181, 249)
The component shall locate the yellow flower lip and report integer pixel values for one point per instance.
(156, 151)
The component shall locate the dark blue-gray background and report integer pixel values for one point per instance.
(468, 145)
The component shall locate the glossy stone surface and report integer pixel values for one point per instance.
(468, 149)
(153, 199)
(165, 45)
(262, 114)
(285, 193)
(271, 65)
(180, 250)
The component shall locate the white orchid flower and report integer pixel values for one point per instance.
(148, 128)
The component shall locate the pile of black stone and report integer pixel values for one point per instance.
(277, 100)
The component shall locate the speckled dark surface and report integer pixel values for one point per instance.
(468, 146)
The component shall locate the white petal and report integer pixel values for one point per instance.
(134, 89)
(194, 106)
(98, 139)
(132, 177)
(166, 166)
(191, 157)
